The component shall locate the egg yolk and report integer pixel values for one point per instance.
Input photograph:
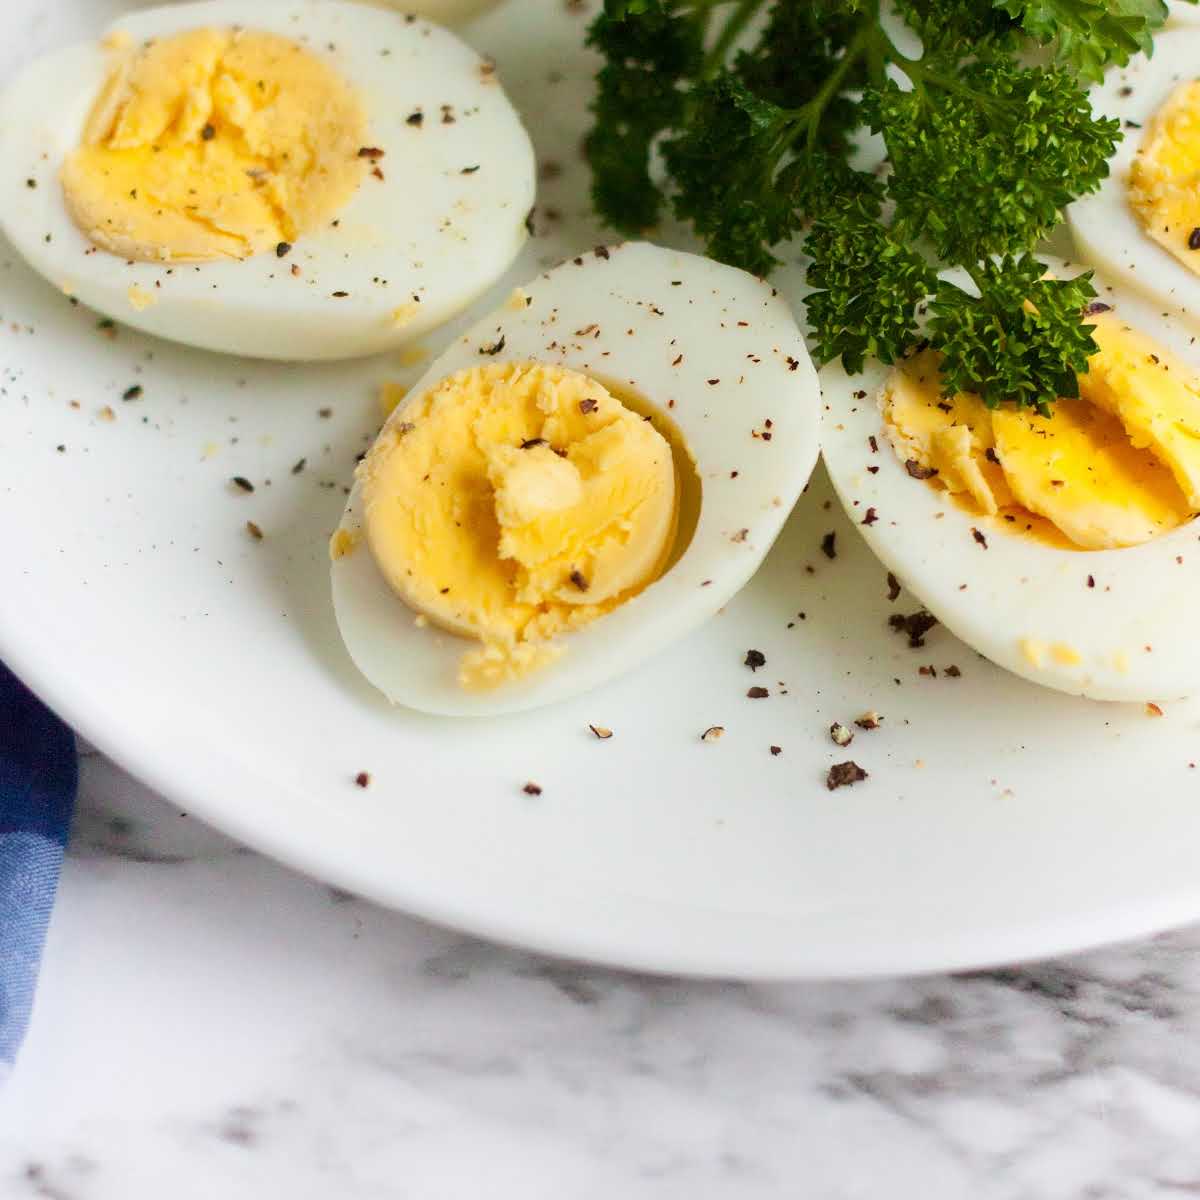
(515, 501)
(1116, 466)
(214, 144)
(1164, 180)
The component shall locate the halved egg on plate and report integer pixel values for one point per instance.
(1142, 225)
(298, 180)
(579, 481)
(1061, 547)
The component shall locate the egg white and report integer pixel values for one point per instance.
(437, 236)
(633, 321)
(445, 12)
(1105, 230)
(1134, 630)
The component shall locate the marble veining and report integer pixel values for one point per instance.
(212, 1024)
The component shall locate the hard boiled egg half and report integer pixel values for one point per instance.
(1142, 226)
(579, 481)
(298, 180)
(1062, 548)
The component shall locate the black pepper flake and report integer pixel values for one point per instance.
(914, 625)
(978, 536)
(132, 393)
(254, 531)
(601, 732)
(494, 348)
(601, 252)
(1096, 306)
(844, 775)
(1194, 239)
(792, 363)
(282, 248)
(917, 471)
(951, 671)
(757, 693)
(532, 789)
(208, 133)
(893, 586)
(588, 405)
(755, 659)
(1091, 581)
(371, 152)
(713, 382)
(871, 517)
(299, 466)
(576, 577)
(339, 295)
(776, 750)
(829, 545)
(415, 119)
(529, 443)
(873, 443)
(242, 483)
(469, 170)
(31, 183)
(325, 413)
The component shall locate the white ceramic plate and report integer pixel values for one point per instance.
(1000, 821)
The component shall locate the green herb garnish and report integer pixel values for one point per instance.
(982, 151)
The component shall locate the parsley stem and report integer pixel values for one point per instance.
(737, 22)
(814, 110)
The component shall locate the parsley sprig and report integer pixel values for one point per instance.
(987, 135)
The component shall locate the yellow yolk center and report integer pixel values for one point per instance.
(1115, 467)
(515, 501)
(214, 144)
(1164, 180)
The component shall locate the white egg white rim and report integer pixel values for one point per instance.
(1103, 225)
(720, 552)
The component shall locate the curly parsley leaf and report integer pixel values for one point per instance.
(1089, 35)
(649, 49)
(758, 109)
(984, 160)
(724, 166)
(1023, 339)
(868, 287)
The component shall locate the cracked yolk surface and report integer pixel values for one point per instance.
(1115, 466)
(214, 144)
(516, 501)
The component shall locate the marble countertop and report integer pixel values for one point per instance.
(210, 1024)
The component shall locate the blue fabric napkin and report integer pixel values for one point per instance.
(38, 775)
